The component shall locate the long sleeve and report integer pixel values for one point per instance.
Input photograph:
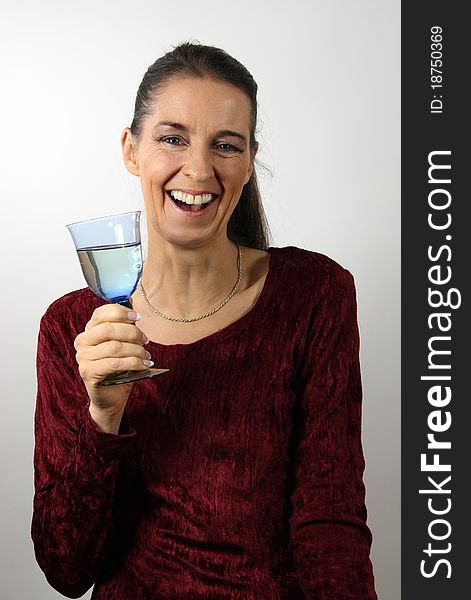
(330, 541)
(76, 471)
(238, 474)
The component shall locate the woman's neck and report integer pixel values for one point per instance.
(185, 282)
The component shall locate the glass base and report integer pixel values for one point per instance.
(130, 376)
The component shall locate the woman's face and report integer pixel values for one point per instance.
(195, 147)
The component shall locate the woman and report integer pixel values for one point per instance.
(238, 474)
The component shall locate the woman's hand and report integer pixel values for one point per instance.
(111, 343)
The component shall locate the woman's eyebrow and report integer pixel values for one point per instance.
(172, 124)
(230, 133)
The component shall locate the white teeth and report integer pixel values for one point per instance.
(190, 199)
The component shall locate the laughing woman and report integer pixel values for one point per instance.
(237, 474)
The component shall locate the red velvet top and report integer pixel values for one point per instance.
(236, 475)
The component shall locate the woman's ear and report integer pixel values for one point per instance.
(128, 148)
(253, 152)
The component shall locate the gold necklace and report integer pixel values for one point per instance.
(211, 312)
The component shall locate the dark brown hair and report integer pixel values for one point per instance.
(248, 225)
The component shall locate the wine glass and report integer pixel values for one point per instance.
(109, 250)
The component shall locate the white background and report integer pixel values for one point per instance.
(329, 80)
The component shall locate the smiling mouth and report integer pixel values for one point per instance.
(190, 203)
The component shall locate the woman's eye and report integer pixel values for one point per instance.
(170, 139)
(227, 148)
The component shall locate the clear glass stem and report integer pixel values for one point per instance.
(130, 376)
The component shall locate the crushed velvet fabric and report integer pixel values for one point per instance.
(237, 475)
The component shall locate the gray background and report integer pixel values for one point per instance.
(329, 98)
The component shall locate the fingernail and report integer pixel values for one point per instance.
(133, 315)
(147, 354)
(148, 363)
(145, 339)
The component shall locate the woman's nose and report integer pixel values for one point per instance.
(198, 165)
